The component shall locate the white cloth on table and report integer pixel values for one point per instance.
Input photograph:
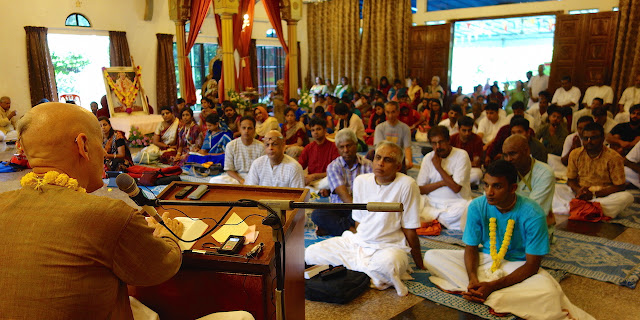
(612, 204)
(379, 248)
(475, 177)
(537, 83)
(238, 156)
(287, 173)
(443, 204)
(563, 97)
(537, 297)
(145, 123)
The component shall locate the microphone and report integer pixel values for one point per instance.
(128, 185)
(385, 207)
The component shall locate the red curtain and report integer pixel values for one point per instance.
(273, 12)
(199, 10)
(243, 43)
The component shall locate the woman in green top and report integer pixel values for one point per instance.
(517, 94)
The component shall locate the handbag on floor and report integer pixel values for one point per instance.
(341, 289)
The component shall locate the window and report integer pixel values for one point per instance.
(270, 68)
(200, 55)
(437, 5)
(271, 33)
(77, 20)
(583, 11)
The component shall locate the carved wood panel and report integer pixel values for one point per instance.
(429, 53)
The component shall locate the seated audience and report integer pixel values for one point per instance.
(377, 117)
(632, 166)
(518, 109)
(319, 87)
(347, 119)
(344, 90)
(384, 86)
(468, 141)
(410, 116)
(319, 113)
(8, 120)
(118, 156)
(444, 181)
(94, 108)
(495, 95)
(600, 116)
(89, 248)
(451, 123)
(595, 173)
(264, 122)
(536, 180)
(275, 169)
(379, 247)
(630, 96)
(518, 125)
(509, 279)
(624, 136)
(295, 134)
(214, 142)
(567, 97)
(207, 108)
(396, 91)
(598, 90)
(393, 130)
(367, 87)
(539, 110)
(317, 155)
(231, 118)
(434, 90)
(189, 138)
(595, 103)
(434, 114)
(552, 134)
(574, 140)
(240, 153)
(489, 126)
(341, 172)
(180, 105)
(165, 136)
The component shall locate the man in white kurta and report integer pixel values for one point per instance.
(488, 127)
(632, 166)
(275, 169)
(7, 120)
(536, 84)
(567, 96)
(518, 285)
(240, 153)
(444, 181)
(379, 247)
(630, 96)
(599, 90)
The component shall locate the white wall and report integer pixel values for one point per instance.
(509, 9)
(104, 15)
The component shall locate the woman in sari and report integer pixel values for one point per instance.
(189, 137)
(415, 92)
(264, 122)
(118, 156)
(384, 86)
(434, 90)
(319, 87)
(294, 132)
(377, 117)
(215, 141)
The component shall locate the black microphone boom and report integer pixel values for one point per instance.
(128, 185)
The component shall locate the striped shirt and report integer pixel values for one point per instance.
(287, 173)
(239, 157)
(339, 174)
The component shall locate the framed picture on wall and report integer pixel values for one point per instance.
(124, 91)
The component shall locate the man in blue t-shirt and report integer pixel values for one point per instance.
(515, 284)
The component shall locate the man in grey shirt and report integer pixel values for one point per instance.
(395, 131)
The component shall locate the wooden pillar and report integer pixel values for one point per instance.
(226, 9)
(180, 12)
(292, 13)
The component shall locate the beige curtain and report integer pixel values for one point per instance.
(334, 40)
(166, 88)
(42, 79)
(119, 49)
(627, 55)
(385, 35)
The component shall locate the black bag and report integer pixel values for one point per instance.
(341, 289)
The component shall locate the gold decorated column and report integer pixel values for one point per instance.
(292, 13)
(180, 12)
(226, 9)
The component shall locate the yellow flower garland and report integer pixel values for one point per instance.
(127, 98)
(51, 177)
(499, 256)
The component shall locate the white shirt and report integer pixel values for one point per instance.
(603, 92)
(286, 174)
(447, 123)
(562, 97)
(456, 164)
(634, 154)
(238, 157)
(378, 230)
(630, 97)
(538, 119)
(489, 129)
(567, 144)
(355, 124)
(537, 83)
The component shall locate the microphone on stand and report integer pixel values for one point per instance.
(128, 185)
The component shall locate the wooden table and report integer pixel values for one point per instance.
(209, 283)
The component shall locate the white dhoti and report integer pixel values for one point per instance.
(226, 179)
(475, 177)
(559, 169)
(142, 312)
(632, 177)
(386, 267)
(319, 184)
(447, 211)
(612, 204)
(538, 297)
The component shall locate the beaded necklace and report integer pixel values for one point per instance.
(52, 178)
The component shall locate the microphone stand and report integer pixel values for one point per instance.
(279, 208)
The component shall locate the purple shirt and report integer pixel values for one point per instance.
(339, 174)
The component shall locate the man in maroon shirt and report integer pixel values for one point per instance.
(470, 142)
(317, 155)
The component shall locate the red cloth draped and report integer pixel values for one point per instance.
(243, 42)
(199, 10)
(273, 12)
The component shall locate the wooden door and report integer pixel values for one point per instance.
(430, 53)
(583, 47)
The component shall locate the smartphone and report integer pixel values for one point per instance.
(233, 245)
(184, 192)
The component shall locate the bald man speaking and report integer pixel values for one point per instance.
(67, 254)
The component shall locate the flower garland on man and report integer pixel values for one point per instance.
(509, 280)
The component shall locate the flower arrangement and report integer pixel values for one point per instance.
(241, 103)
(127, 98)
(139, 140)
(306, 101)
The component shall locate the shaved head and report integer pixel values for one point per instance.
(515, 149)
(65, 138)
(274, 146)
(517, 141)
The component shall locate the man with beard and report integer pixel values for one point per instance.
(444, 181)
(552, 135)
(595, 173)
(624, 136)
